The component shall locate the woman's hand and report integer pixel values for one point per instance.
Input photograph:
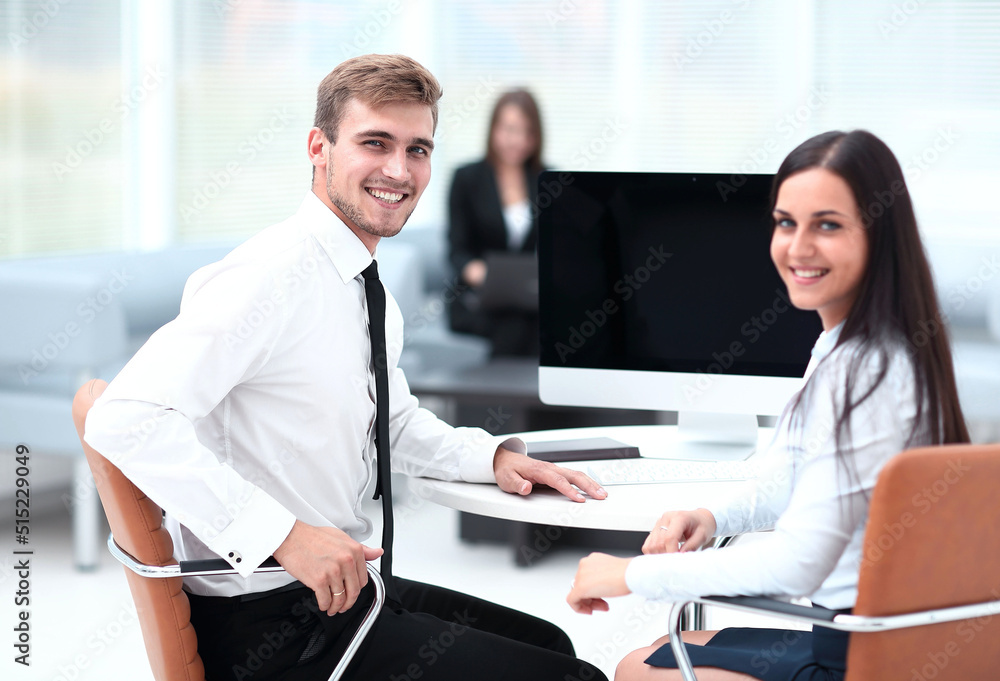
(474, 272)
(598, 577)
(681, 531)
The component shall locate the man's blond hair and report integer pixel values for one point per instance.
(374, 80)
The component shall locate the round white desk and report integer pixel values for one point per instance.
(627, 507)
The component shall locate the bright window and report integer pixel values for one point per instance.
(718, 85)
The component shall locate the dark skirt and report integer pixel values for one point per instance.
(770, 654)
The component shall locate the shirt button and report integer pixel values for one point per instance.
(235, 555)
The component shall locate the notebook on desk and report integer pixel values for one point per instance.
(584, 449)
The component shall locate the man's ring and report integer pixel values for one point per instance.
(339, 593)
(664, 527)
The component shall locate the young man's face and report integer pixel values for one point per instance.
(379, 166)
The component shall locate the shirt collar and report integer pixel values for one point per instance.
(347, 252)
(826, 342)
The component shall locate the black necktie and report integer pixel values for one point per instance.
(375, 295)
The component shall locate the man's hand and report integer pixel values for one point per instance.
(680, 532)
(598, 577)
(517, 473)
(329, 562)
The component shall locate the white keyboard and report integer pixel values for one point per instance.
(649, 471)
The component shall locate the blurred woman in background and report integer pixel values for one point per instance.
(490, 210)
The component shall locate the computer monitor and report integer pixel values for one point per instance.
(657, 291)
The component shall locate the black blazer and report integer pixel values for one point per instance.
(476, 224)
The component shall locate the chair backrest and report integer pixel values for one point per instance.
(930, 544)
(136, 523)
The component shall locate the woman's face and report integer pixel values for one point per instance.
(819, 244)
(513, 139)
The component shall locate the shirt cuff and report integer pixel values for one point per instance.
(477, 464)
(643, 576)
(254, 534)
(665, 576)
(722, 525)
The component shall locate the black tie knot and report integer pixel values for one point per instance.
(370, 272)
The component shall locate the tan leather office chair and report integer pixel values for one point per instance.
(929, 588)
(140, 542)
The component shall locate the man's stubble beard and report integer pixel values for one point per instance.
(354, 213)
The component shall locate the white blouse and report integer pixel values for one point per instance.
(815, 501)
(517, 220)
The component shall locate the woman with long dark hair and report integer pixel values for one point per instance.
(846, 244)
(490, 210)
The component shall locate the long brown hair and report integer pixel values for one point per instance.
(523, 100)
(896, 299)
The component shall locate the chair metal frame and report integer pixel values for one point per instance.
(817, 616)
(207, 568)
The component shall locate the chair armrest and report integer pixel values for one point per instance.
(771, 605)
(752, 604)
(218, 566)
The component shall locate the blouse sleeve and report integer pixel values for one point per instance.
(827, 501)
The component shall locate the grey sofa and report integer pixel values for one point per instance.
(71, 318)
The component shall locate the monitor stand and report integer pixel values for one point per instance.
(702, 436)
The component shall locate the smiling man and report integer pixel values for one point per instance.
(251, 419)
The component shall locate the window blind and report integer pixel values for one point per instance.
(62, 109)
(710, 86)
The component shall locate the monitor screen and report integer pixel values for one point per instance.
(656, 290)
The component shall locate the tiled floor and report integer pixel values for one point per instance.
(84, 628)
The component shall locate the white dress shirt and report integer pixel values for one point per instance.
(810, 496)
(256, 405)
(517, 220)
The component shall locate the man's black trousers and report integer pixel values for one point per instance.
(432, 634)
